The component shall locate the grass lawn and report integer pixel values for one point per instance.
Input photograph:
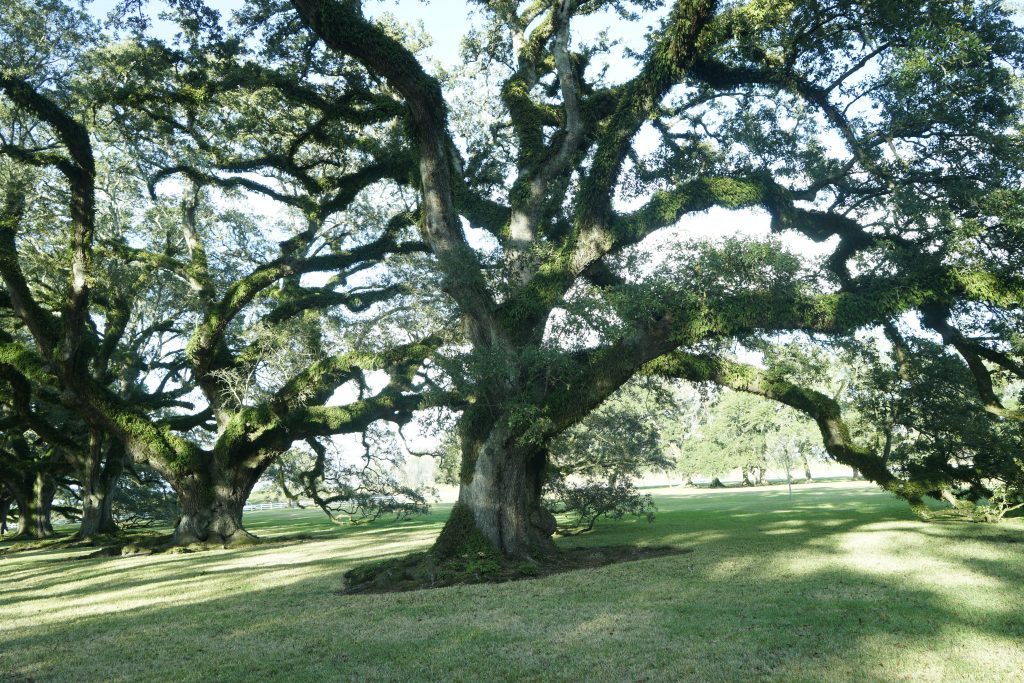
(841, 585)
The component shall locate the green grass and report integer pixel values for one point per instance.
(842, 585)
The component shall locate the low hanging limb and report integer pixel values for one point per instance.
(936, 317)
(824, 410)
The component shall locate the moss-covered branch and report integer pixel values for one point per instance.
(80, 172)
(342, 26)
(824, 410)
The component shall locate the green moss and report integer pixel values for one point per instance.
(24, 361)
(247, 425)
(987, 287)
(528, 120)
(461, 537)
(158, 442)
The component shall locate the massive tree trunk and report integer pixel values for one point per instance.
(99, 478)
(500, 499)
(35, 500)
(211, 505)
(97, 510)
(5, 509)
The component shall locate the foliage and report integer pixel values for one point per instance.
(1007, 495)
(144, 500)
(586, 502)
(914, 398)
(214, 355)
(748, 433)
(448, 459)
(348, 489)
(145, 281)
(618, 440)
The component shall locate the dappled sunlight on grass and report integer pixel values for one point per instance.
(839, 584)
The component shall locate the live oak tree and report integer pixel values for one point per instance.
(888, 128)
(167, 323)
(750, 434)
(28, 472)
(813, 367)
(797, 444)
(887, 131)
(43, 443)
(687, 405)
(736, 436)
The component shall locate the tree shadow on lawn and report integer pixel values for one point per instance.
(664, 630)
(314, 522)
(745, 605)
(68, 572)
(70, 579)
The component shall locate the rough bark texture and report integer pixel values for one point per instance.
(503, 492)
(35, 501)
(5, 509)
(211, 507)
(97, 513)
(97, 508)
(99, 481)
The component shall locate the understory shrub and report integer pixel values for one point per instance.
(581, 505)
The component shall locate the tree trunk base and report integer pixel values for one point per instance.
(461, 535)
(23, 536)
(238, 538)
(427, 570)
(220, 528)
(93, 532)
(32, 527)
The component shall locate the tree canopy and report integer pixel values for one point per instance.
(512, 256)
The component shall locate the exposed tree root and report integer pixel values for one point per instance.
(428, 570)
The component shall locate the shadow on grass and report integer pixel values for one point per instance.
(747, 604)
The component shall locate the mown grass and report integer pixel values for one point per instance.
(842, 584)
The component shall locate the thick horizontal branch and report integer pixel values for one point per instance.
(825, 412)
(294, 302)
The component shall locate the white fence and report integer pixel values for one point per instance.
(250, 507)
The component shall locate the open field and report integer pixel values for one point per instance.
(842, 585)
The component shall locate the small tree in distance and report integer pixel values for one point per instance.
(594, 464)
